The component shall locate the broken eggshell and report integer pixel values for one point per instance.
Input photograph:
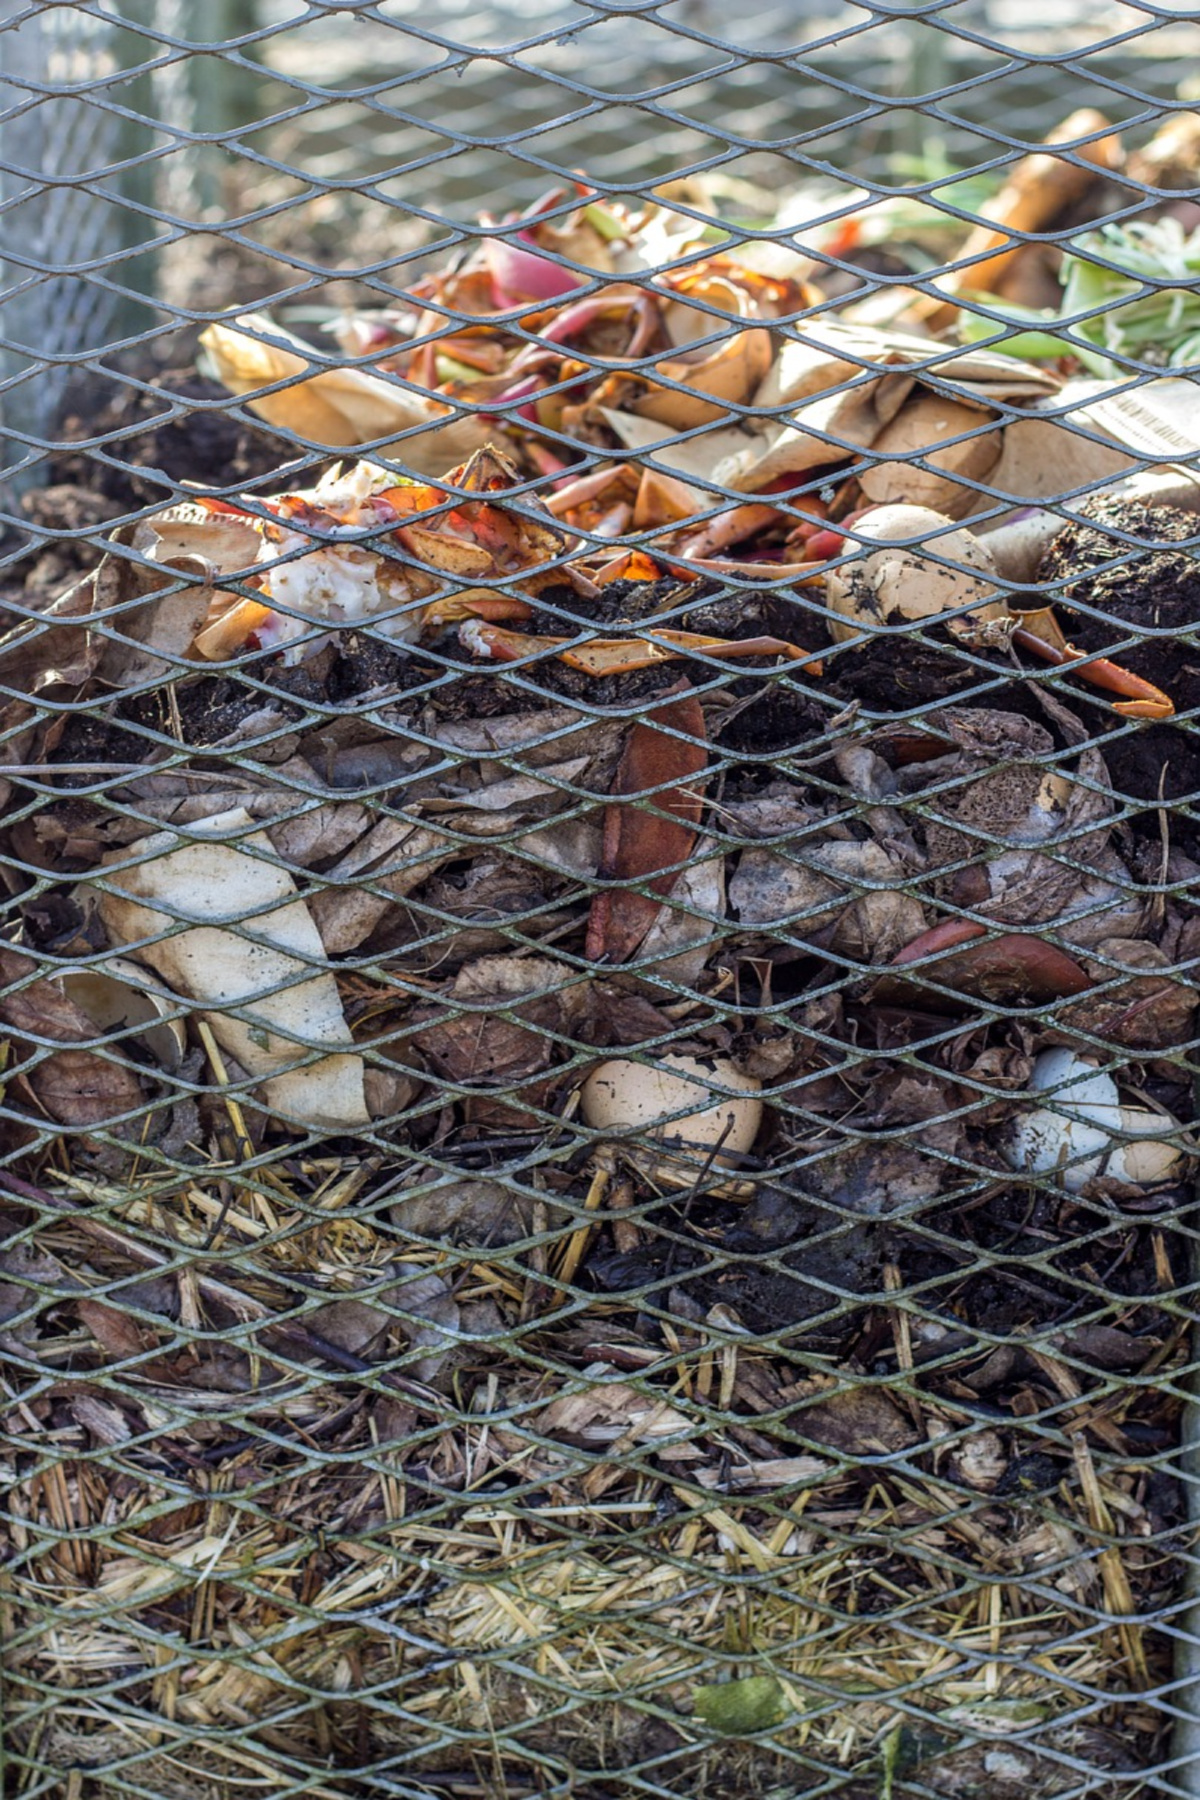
(1078, 1135)
(623, 1096)
(924, 566)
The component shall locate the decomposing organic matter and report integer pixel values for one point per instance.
(597, 1026)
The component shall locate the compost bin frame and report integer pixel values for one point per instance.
(123, 144)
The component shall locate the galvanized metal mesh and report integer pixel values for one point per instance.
(405, 1393)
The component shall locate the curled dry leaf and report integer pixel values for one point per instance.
(153, 642)
(922, 468)
(718, 375)
(612, 1412)
(512, 1011)
(1134, 1005)
(60, 649)
(245, 958)
(512, 742)
(317, 834)
(832, 352)
(839, 387)
(31, 1279)
(386, 863)
(702, 458)
(813, 894)
(479, 1213)
(403, 1298)
(854, 1420)
(679, 943)
(130, 622)
(537, 795)
(117, 1334)
(335, 406)
(391, 1089)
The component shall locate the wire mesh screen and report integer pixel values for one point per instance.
(598, 1138)
(50, 135)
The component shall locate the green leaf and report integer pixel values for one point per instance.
(740, 1708)
(603, 222)
(1152, 307)
(1038, 344)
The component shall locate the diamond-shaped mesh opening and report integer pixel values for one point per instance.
(600, 843)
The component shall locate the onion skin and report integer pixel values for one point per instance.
(521, 274)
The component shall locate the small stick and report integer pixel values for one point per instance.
(577, 1243)
(237, 1118)
(1118, 1596)
(241, 1305)
(893, 1281)
(626, 1233)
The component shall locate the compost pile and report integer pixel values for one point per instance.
(598, 1115)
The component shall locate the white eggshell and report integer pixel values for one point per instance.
(627, 1096)
(1146, 1163)
(1075, 1085)
(1048, 1143)
(1077, 1134)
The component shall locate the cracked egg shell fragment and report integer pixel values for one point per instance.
(723, 1120)
(924, 566)
(1078, 1135)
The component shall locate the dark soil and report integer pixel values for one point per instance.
(171, 426)
(774, 721)
(1161, 764)
(1099, 565)
(1156, 589)
(888, 678)
(563, 610)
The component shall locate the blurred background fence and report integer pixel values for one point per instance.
(340, 142)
